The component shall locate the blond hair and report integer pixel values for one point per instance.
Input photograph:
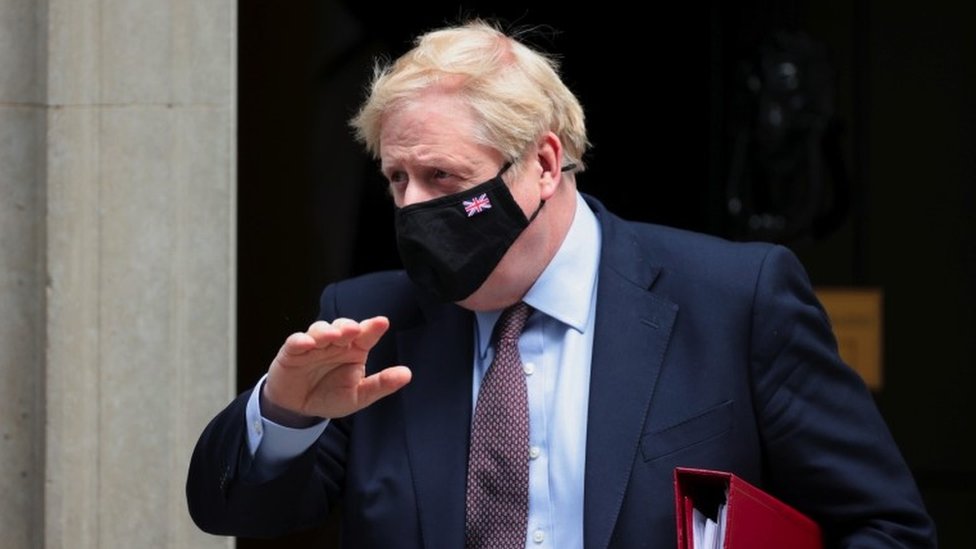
(514, 91)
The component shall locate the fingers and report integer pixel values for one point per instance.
(298, 343)
(372, 330)
(343, 332)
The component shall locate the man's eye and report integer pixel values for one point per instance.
(440, 174)
(397, 178)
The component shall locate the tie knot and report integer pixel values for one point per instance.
(512, 321)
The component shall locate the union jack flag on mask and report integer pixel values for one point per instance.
(477, 204)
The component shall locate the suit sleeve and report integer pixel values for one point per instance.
(224, 499)
(828, 450)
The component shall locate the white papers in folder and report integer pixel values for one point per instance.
(707, 533)
(698, 528)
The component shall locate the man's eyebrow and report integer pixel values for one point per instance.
(437, 159)
(453, 164)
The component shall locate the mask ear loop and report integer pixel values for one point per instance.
(566, 168)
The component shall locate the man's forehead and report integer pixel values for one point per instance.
(427, 114)
(427, 138)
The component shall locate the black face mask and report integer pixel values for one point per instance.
(449, 245)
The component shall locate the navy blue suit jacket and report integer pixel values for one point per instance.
(706, 354)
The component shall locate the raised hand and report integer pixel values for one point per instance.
(322, 372)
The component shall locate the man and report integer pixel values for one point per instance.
(643, 348)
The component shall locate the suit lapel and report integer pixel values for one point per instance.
(438, 415)
(632, 331)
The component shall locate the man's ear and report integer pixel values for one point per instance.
(549, 155)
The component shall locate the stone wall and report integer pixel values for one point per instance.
(117, 263)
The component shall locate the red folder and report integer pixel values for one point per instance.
(754, 520)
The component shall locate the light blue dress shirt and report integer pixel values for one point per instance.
(556, 346)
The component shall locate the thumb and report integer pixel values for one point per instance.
(382, 383)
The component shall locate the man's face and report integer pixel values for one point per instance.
(428, 149)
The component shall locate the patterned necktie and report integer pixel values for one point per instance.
(497, 502)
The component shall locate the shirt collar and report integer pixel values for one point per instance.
(564, 289)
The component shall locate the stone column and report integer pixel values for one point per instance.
(117, 262)
(22, 312)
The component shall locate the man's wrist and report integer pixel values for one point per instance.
(283, 416)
